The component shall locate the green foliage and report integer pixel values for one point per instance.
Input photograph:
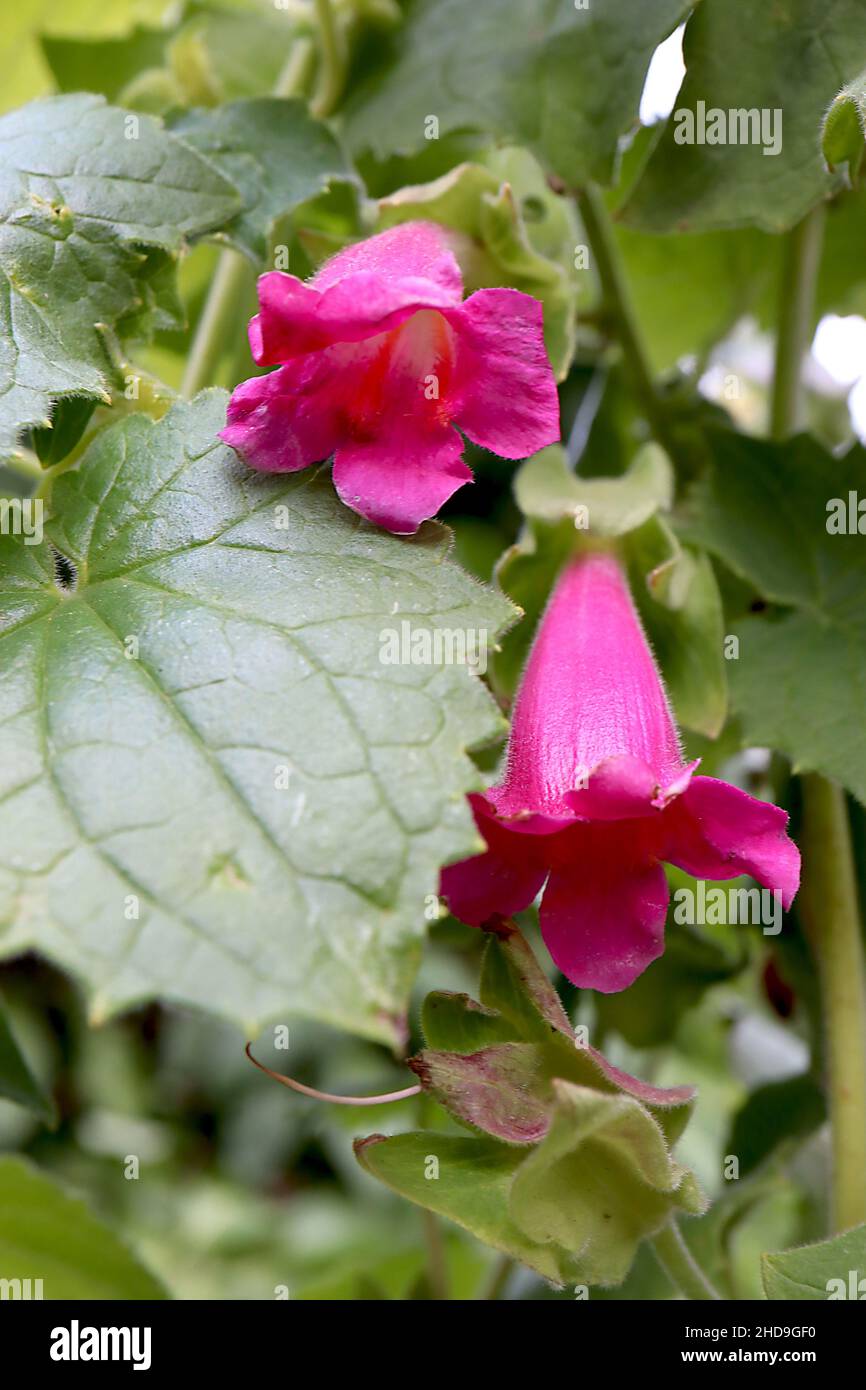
(831, 1269)
(779, 515)
(273, 153)
(476, 66)
(141, 781)
(48, 1235)
(17, 1082)
(572, 1166)
(791, 64)
(85, 186)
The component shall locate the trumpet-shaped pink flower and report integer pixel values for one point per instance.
(596, 796)
(381, 359)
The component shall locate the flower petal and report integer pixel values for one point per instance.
(616, 788)
(403, 477)
(367, 289)
(505, 879)
(280, 422)
(504, 395)
(590, 692)
(716, 831)
(603, 916)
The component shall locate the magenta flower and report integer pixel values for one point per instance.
(381, 359)
(596, 796)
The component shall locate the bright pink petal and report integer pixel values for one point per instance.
(590, 692)
(403, 477)
(504, 880)
(368, 289)
(419, 250)
(504, 395)
(617, 788)
(716, 831)
(279, 423)
(603, 917)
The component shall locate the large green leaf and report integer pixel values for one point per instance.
(833, 1269)
(85, 186)
(48, 1235)
(762, 58)
(275, 799)
(273, 152)
(563, 80)
(798, 681)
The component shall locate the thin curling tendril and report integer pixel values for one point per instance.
(326, 1095)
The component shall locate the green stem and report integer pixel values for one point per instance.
(618, 302)
(333, 66)
(218, 322)
(828, 899)
(829, 908)
(796, 306)
(494, 1285)
(292, 81)
(680, 1265)
(437, 1264)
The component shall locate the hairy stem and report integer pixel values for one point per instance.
(796, 304)
(332, 75)
(828, 900)
(829, 908)
(680, 1265)
(620, 308)
(437, 1264)
(218, 322)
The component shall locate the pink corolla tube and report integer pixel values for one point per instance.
(596, 796)
(381, 363)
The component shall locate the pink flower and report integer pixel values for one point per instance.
(596, 796)
(381, 360)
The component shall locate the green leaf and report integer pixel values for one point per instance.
(573, 1154)
(22, 59)
(471, 1188)
(485, 66)
(48, 1235)
(788, 1109)
(797, 683)
(601, 1180)
(246, 775)
(457, 1023)
(17, 1082)
(674, 588)
(85, 187)
(513, 231)
(273, 152)
(105, 66)
(795, 59)
(832, 1269)
(513, 983)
